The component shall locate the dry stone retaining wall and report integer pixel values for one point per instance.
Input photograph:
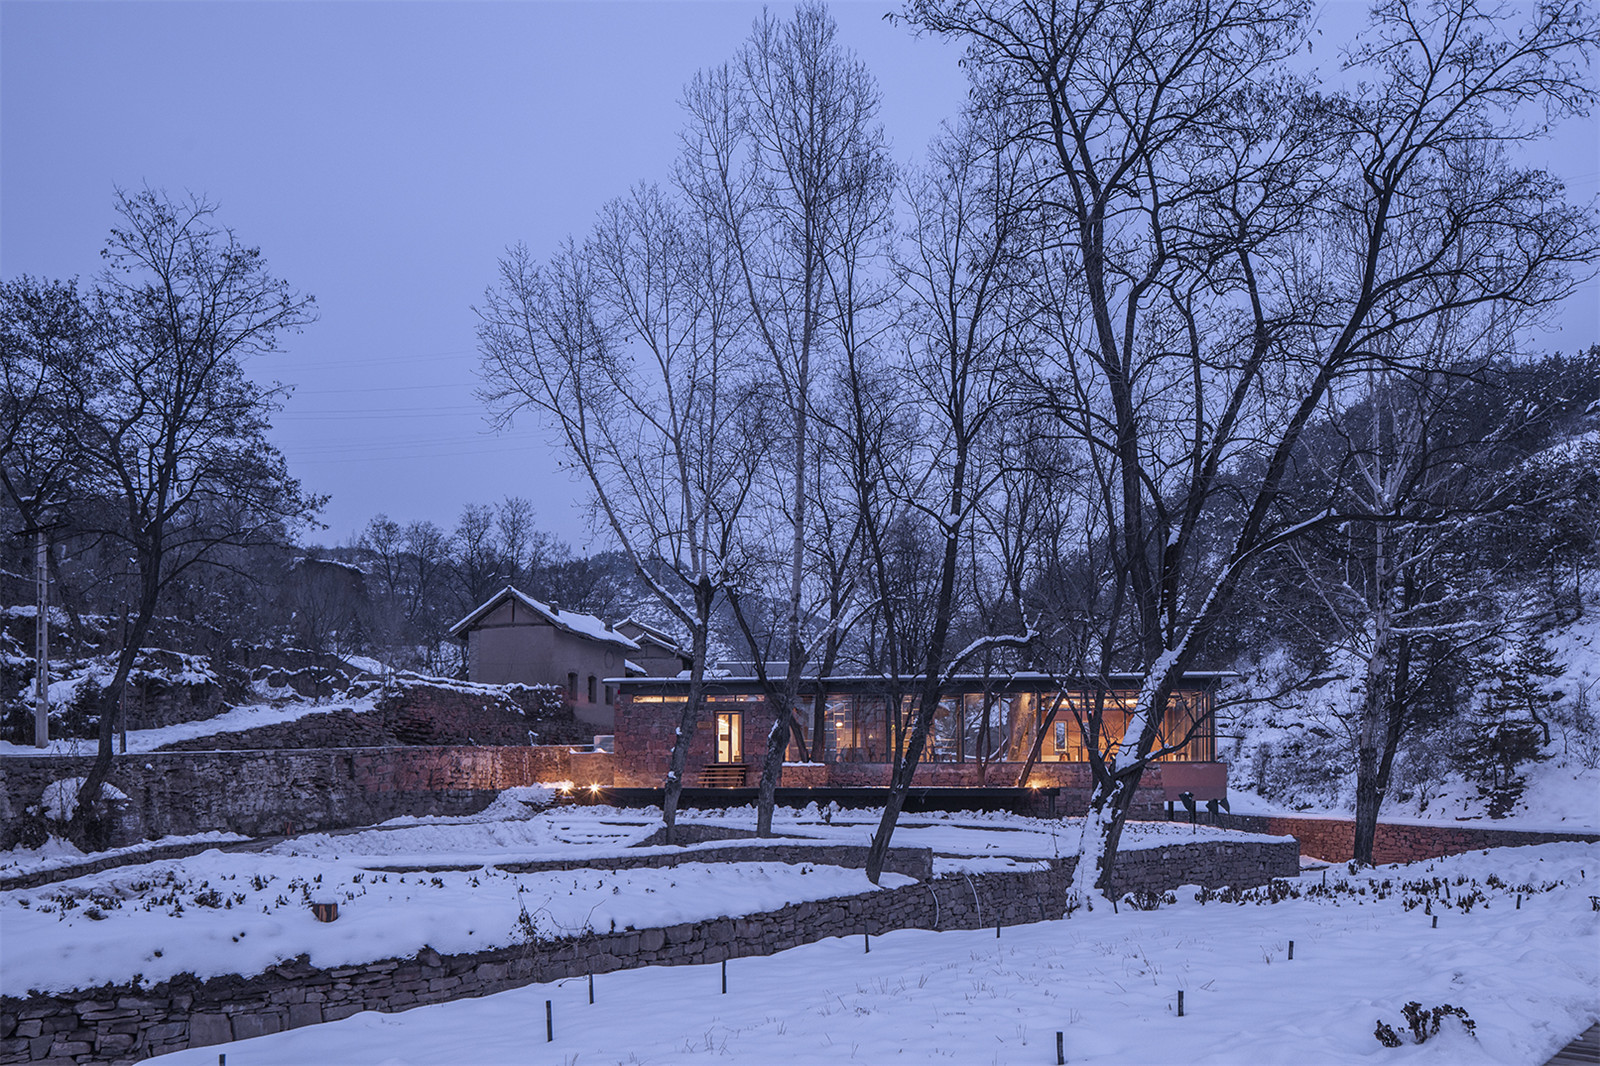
(912, 862)
(262, 793)
(420, 713)
(123, 1023)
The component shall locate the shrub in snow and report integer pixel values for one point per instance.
(1586, 742)
(1423, 1023)
(1422, 768)
(60, 799)
(75, 701)
(1300, 765)
(1148, 899)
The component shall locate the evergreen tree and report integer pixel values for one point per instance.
(1505, 730)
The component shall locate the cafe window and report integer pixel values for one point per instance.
(730, 737)
(856, 728)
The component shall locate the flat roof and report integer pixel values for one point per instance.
(965, 680)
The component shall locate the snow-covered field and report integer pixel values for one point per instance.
(242, 912)
(1528, 978)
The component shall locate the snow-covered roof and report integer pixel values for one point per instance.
(649, 634)
(665, 645)
(583, 625)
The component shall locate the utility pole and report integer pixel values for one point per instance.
(41, 655)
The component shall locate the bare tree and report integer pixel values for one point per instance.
(50, 369)
(1231, 248)
(1388, 583)
(966, 320)
(785, 154)
(627, 347)
(514, 523)
(178, 441)
(477, 557)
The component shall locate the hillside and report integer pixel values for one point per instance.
(1292, 753)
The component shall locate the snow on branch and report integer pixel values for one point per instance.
(1006, 640)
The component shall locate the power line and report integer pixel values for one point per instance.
(430, 454)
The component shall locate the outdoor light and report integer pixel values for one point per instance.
(595, 789)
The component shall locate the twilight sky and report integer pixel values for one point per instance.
(383, 155)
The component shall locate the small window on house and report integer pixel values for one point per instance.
(592, 681)
(610, 696)
(572, 687)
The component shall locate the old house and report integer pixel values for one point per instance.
(514, 638)
(658, 654)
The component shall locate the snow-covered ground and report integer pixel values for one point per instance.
(1560, 798)
(56, 853)
(1528, 978)
(241, 912)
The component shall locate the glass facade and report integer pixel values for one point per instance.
(1186, 734)
(971, 724)
(858, 728)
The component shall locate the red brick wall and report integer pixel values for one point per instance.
(645, 732)
(1334, 839)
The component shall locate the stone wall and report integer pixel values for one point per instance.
(912, 862)
(126, 1023)
(685, 833)
(264, 793)
(1334, 839)
(419, 713)
(169, 694)
(105, 861)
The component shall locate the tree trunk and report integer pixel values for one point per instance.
(78, 827)
(1102, 837)
(1368, 731)
(689, 720)
(905, 770)
(41, 656)
(1118, 783)
(819, 724)
(772, 770)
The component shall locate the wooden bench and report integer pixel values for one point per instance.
(723, 775)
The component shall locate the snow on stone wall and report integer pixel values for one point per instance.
(114, 1023)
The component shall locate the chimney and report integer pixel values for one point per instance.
(555, 608)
